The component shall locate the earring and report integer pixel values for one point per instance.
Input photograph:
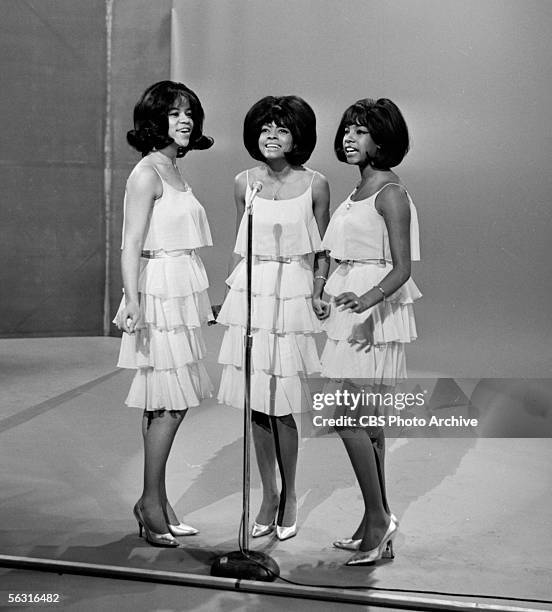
(373, 158)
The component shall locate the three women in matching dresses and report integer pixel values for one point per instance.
(372, 236)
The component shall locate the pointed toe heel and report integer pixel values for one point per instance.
(182, 529)
(384, 550)
(347, 544)
(153, 539)
(259, 530)
(285, 533)
(352, 544)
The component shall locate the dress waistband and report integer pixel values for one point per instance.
(352, 262)
(160, 253)
(279, 258)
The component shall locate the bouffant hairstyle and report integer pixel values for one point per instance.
(151, 123)
(291, 112)
(386, 125)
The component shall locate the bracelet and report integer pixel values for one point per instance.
(320, 276)
(380, 289)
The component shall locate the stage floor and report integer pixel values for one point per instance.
(474, 512)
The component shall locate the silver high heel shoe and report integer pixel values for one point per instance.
(375, 554)
(285, 533)
(351, 544)
(259, 530)
(155, 539)
(182, 529)
(347, 544)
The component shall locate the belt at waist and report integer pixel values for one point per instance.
(279, 258)
(351, 262)
(162, 253)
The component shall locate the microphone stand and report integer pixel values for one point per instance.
(244, 563)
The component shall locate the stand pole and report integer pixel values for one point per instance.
(248, 341)
(243, 563)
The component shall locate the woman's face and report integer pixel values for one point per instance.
(180, 122)
(275, 141)
(358, 145)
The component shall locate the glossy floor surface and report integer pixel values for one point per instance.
(475, 520)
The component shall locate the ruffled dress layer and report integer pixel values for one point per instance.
(167, 350)
(283, 322)
(357, 238)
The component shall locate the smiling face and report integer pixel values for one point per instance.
(275, 141)
(181, 122)
(358, 145)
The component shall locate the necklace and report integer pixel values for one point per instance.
(275, 193)
(349, 201)
(277, 181)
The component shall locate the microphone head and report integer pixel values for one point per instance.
(257, 186)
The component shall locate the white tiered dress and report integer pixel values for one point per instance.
(167, 350)
(357, 238)
(285, 235)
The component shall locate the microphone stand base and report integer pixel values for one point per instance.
(248, 565)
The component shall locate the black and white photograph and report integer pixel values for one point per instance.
(275, 325)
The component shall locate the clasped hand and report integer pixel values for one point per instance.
(321, 308)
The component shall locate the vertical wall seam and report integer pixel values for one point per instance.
(108, 157)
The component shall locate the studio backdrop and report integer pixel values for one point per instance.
(473, 81)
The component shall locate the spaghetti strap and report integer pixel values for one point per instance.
(314, 173)
(157, 171)
(163, 181)
(387, 185)
(414, 224)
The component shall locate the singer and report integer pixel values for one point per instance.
(289, 217)
(165, 290)
(373, 236)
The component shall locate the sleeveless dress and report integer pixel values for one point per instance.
(357, 239)
(172, 286)
(285, 235)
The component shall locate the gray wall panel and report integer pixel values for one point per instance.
(51, 167)
(140, 57)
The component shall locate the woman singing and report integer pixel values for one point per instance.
(373, 236)
(290, 215)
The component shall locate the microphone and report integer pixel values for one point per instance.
(255, 188)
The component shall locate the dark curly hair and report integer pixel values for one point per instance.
(386, 125)
(291, 112)
(151, 124)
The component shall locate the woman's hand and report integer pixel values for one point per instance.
(351, 301)
(321, 308)
(130, 318)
